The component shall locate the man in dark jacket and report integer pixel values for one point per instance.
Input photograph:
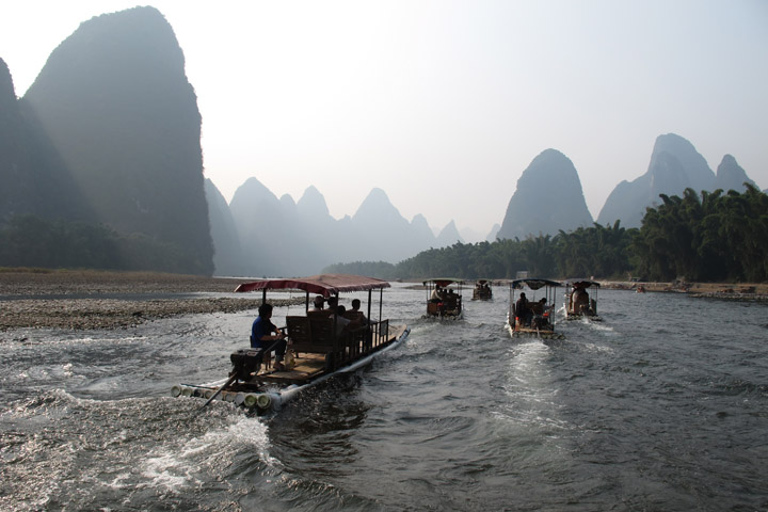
(265, 335)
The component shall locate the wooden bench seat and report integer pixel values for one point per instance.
(315, 335)
(310, 335)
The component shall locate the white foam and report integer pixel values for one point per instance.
(176, 468)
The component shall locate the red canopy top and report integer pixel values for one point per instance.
(324, 284)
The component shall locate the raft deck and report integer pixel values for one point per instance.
(311, 365)
(269, 386)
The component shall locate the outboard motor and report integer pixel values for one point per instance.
(245, 362)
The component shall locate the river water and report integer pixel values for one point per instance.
(662, 406)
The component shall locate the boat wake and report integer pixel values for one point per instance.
(136, 448)
(599, 327)
(176, 468)
(529, 385)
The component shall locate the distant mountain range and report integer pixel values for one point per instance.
(303, 237)
(109, 133)
(259, 234)
(675, 165)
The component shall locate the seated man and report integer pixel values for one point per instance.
(539, 319)
(266, 336)
(333, 304)
(438, 294)
(355, 315)
(317, 304)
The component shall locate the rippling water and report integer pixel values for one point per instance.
(662, 406)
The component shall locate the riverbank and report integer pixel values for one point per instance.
(727, 291)
(89, 299)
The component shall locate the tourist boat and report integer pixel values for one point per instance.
(316, 352)
(537, 319)
(578, 302)
(444, 297)
(482, 290)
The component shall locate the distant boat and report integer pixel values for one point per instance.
(318, 351)
(533, 316)
(444, 297)
(482, 290)
(578, 303)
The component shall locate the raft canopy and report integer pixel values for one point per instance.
(323, 284)
(534, 283)
(581, 283)
(443, 282)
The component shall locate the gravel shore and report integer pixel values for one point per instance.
(108, 300)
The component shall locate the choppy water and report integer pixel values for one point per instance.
(663, 406)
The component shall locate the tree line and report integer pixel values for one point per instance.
(713, 236)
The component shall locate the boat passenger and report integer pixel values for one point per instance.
(266, 336)
(438, 294)
(333, 304)
(317, 305)
(451, 298)
(579, 301)
(355, 314)
(341, 322)
(540, 316)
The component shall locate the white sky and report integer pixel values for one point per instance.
(443, 104)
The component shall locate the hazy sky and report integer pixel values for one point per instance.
(443, 103)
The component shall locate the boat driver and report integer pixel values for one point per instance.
(522, 310)
(266, 336)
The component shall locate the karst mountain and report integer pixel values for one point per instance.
(109, 135)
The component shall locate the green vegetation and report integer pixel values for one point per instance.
(573, 254)
(718, 237)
